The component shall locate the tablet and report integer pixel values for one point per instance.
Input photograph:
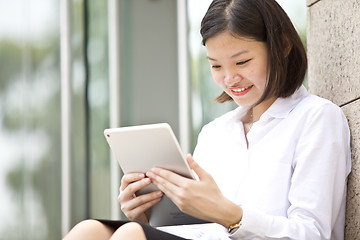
(139, 148)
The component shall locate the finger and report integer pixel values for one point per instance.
(130, 178)
(200, 172)
(136, 206)
(132, 188)
(163, 176)
(143, 199)
(170, 188)
(134, 213)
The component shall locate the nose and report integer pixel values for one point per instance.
(231, 77)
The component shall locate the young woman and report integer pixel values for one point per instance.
(276, 167)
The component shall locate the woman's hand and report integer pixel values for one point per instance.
(201, 199)
(134, 206)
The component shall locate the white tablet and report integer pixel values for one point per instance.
(138, 149)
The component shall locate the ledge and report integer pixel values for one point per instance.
(309, 3)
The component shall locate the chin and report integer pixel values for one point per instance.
(243, 103)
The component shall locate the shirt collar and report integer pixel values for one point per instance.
(279, 109)
(283, 106)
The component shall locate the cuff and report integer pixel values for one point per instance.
(253, 221)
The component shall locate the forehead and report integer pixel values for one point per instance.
(226, 45)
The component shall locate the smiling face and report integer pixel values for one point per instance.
(239, 66)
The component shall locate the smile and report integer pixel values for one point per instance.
(238, 90)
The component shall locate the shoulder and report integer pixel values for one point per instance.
(316, 116)
(307, 114)
(312, 106)
(303, 104)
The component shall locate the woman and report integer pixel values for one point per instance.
(276, 167)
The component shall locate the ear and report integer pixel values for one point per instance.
(288, 45)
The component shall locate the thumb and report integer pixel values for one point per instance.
(200, 172)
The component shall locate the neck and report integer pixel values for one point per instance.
(259, 109)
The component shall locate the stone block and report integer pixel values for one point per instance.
(333, 43)
(352, 226)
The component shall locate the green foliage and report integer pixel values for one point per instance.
(15, 179)
(10, 58)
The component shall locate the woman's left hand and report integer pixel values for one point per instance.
(201, 199)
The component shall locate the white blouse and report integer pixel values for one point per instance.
(290, 180)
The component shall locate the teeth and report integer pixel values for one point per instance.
(240, 89)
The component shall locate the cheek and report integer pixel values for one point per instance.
(217, 78)
(259, 78)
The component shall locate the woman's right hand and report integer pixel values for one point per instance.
(134, 206)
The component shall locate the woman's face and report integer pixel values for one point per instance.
(239, 66)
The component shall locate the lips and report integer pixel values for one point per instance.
(241, 91)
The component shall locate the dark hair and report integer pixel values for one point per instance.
(265, 21)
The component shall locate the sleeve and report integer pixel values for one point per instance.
(317, 193)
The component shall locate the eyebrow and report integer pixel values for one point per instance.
(233, 56)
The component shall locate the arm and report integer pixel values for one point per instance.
(317, 192)
(201, 199)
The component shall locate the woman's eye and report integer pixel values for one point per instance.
(215, 66)
(243, 62)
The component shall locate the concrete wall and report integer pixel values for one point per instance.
(334, 73)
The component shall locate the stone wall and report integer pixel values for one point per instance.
(333, 39)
